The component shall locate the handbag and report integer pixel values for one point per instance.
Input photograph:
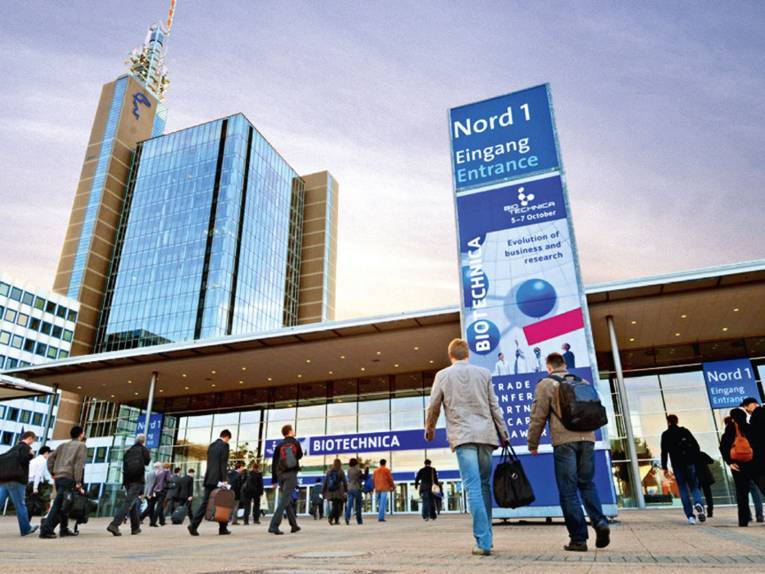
(741, 449)
(435, 490)
(512, 488)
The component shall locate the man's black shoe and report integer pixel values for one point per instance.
(47, 535)
(67, 532)
(575, 547)
(276, 531)
(224, 532)
(603, 536)
(135, 531)
(295, 529)
(114, 529)
(154, 525)
(193, 531)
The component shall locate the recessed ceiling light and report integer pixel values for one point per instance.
(396, 365)
(632, 339)
(432, 361)
(308, 361)
(241, 382)
(161, 390)
(379, 352)
(342, 356)
(677, 334)
(112, 396)
(735, 309)
(300, 376)
(633, 322)
(183, 375)
(363, 368)
(79, 386)
(136, 394)
(683, 316)
(212, 385)
(186, 388)
(212, 372)
(270, 379)
(244, 368)
(725, 328)
(130, 382)
(332, 372)
(416, 348)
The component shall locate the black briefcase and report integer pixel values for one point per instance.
(512, 488)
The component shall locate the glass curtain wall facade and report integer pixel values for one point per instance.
(204, 244)
(655, 391)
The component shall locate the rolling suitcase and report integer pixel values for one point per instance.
(220, 505)
(179, 514)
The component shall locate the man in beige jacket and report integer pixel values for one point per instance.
(573, 453)
(66, 465)
(474, 427)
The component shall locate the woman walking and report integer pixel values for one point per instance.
(334, 489)
(737, 453)
(356, 479)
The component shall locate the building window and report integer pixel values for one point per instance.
(39, 303)
(29, 345)
(2, 310)
(52, 352)
(61, 311)
(24, 364)
(10, 315)
(11, 363)
(7, 438)
(100, 454)
(5, 337)
(4, 288)
(22, 319)
(28, 299)
(40, 349)
(56, 331)
(72, 316)
(25, 417)
(37, 419)
(63, 354)
(16, 293)
(2, 360)
(67, 335)
(12, 414)
(50, 307)
(17, 341)
(34, 324)
(46, 327)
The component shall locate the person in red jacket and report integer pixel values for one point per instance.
(384, 484)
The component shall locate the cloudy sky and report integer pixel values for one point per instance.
(659, 107)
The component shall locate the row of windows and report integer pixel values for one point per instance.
(23, 416)
(31, 346)
(36, 302)
(24, 320)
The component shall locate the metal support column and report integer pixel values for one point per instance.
(150, 404)
(624, 407)
(49, 416)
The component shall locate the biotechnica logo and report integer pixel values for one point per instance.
(525, 204)
(139, 98)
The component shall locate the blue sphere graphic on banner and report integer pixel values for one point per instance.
(536, 297)
(482, 336)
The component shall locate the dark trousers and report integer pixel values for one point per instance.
(155, 509)
(250, 503)
(428, 504)
(199, 516)
(574, 473)
(317, 510)
(130, 506)
(336, 510)
(742, 482)
(287, 484)
(56, 515)
(707, 490)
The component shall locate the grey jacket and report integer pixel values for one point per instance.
(68, 461)
(472, 411)
(544, 408)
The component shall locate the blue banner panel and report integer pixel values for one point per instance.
(155, 429)
(730, 382)
(503, 138)
(413, 439)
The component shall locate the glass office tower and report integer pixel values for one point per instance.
(209, 241)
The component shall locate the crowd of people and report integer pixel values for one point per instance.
(475, 427)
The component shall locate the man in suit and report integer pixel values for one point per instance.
(216, 473)
(186, 490)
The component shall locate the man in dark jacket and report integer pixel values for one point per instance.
(424, 481)
(217, 472)
(285, 469)
(134, 462)
(236, 480)
(17, 461)
(756, 436)
(682, 449)
(186, 490)
(252, 490)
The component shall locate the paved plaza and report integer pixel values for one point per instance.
(643, 541)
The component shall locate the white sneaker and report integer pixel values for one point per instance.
(691, 520)
(700, 512)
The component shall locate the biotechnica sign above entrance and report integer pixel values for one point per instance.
(365, 442)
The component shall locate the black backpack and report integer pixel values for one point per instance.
(685, 448)
(579, 403)
(333, 480)
(132, 464)
(287, 457)
(10, 466)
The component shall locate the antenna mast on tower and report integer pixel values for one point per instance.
(147, 64)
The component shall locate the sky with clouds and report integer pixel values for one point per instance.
(659, 110)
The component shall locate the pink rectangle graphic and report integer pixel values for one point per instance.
(554, 326)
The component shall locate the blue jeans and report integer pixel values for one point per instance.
(428, 504)
(686, 481)
(354, 503)
(382, 503)
(474, 461)
(17, 492)
(574, 472)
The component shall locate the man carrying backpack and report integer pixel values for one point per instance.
(682, 449)
(134, 462)
(14, 473)
(284, 468)
(573, 450)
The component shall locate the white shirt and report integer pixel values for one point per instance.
(502, 368)
(37, 468)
